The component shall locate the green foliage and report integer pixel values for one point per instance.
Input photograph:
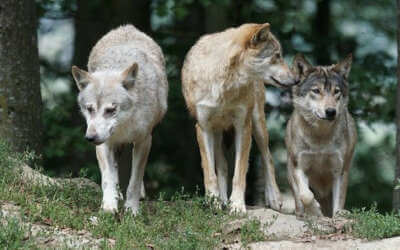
(13, 235)
(373, 225)
(251, 231)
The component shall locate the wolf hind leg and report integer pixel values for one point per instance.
(140, 154)
(272, 194)
(222, 167)
(142, 191)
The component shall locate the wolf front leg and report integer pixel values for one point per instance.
(139, 159)
(109, 177)
(206, 139)
(272, 194)
(242, 146)
(305, 194)
(295, 189)
(339, 189)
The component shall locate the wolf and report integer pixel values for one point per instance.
(320, 137)
(123, 96)
(223, 79)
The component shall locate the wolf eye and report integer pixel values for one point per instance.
(336, 91)
(110, 111)
(316, 91)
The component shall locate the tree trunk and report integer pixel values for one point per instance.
(322, 32)
(396, 192)
(20, 99)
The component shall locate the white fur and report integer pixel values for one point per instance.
(138, 106)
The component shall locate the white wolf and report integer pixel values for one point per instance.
(123, 97)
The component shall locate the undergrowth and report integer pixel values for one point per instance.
(184, 222)
(372, 225)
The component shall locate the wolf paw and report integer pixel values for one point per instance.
(110, 207)
(307, 197)
(132, 209)
(237, 207)
(273, 199)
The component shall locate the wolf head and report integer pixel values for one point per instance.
(105, 100)
(264, 56)
(323, 92)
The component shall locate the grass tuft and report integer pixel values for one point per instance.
(373, 225)
(13, 235)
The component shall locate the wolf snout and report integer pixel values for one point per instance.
(330, 113)
(285, 83)
(93, 138)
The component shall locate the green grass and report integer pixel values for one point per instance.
(14, 235)
(184, 222)
(372, 225)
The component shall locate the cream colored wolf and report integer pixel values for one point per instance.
(223, 79)
(320, 138)
(123, 97)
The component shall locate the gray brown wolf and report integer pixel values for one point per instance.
(320, 138)
(223, 79)
(123, 97)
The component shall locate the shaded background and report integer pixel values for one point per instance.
(325, 31)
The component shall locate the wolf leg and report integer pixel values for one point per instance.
(109, 177)
(142, 191)
(222, 168)
(295, 189)
(140, 154)
(305, 194)
(339, 192)
(242, 146)
(260, 133)
(206, 144)
(336, 192)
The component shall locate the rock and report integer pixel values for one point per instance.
(287, 226)
(31, 176)
(47, 237)
(385, 244)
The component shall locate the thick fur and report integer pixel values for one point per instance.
(123, 97)
(223, 79)
(320, 138)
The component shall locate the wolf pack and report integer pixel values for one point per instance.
(123, 96)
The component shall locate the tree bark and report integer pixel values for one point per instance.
(396, 192)
(20, 99)
(322, 32)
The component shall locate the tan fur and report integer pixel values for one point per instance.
(320, 150)
(222, 82)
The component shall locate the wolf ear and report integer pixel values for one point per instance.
(81, 77)
(261, 35)
(129, 76)
(301, 65)
(343, 67)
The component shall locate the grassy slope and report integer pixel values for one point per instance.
(185, 222)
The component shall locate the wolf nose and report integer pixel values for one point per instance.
(330, 113)
(90, 138)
